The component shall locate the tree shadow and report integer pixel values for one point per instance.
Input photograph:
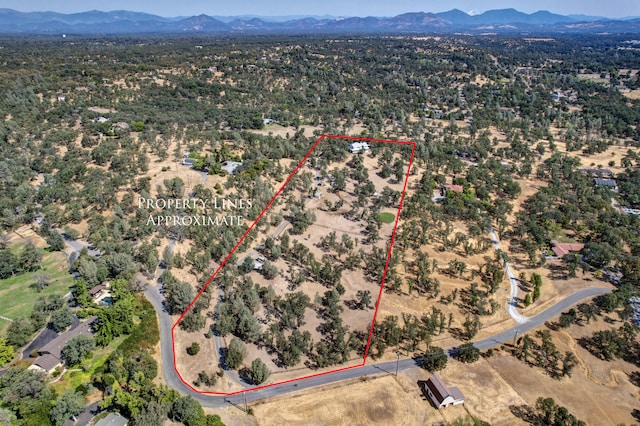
(557, 271)
(422, 385)
(458, 333)
(525, 413)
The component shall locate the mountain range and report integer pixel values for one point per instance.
(453, 21)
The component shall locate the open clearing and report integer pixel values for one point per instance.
(492, 393)
(18, 293)
(342, 213)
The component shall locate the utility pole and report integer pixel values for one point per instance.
(515, 336)
(397, 362)
(245, 401)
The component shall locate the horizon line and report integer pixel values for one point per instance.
(313, 15)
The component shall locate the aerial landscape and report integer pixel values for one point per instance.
(263, 214)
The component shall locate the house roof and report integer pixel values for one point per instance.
(454, 188)
(97, 289)
(357, 146)
(560, 249)
(437, 388)
(455, 392)
(113, 419)
(605, 182)
(441, 392)
(598, 172)
(47, 362)
(231, 166)
(55, 346)
(630, 211)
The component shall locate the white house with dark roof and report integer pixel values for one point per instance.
(440, 395)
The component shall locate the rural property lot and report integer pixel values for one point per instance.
(302, 295)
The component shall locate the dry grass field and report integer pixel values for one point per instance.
(492, 393)
(351, 280)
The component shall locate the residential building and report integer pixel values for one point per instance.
(100, 292)
(440, 395)
(357, 147)
(603, 173)
(51, 353)
(231, 166)
(189, 161)
(630, 211)
(453, 188)
(113, 419)
(606, 183)
(560, 249)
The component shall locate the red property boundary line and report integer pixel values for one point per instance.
(224, 262)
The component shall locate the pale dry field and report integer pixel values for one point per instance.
(598, 392)
(326, 221)
(380, 400)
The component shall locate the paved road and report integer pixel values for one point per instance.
(389, 367)
(513, 300)
(173, 380)
(541, 318)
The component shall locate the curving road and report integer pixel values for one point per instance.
(389, 367)
(171, 377)
(541, 318)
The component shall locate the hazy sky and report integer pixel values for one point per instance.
(609, 8)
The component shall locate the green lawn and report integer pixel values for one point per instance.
(386, 217)
(82, 374)
(18, 294)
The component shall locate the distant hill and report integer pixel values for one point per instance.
(497, 21)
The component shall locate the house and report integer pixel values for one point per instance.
(189, 161)
(97, 291)
(61, 98)
(47, 363)
(101, 119)
(629, 211)
(112, 419)
(603, 173)
(100, 293)
(606, 183)
(121, 125)
(634, 302)
(51, 353)
(231, 166)
(357, 147)
(270, 121)
(560, 249)
(453, 188)
(440, 395)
